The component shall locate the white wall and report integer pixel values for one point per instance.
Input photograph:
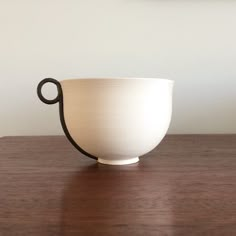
(192, 42)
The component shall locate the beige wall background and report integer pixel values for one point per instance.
(192, 42)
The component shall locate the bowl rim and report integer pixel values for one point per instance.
(120, 78)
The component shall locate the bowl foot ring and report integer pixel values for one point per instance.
(118, 162)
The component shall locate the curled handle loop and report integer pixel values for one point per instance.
(40, 95)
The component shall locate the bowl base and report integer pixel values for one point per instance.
(118, 162)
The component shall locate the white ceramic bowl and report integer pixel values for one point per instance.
(116, 119)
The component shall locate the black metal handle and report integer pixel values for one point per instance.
(40, 95)
(59, 99)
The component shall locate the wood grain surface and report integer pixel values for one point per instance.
(186, 186)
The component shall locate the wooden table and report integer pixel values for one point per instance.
(187, 186)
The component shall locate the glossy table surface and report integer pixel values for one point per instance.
(186, 186)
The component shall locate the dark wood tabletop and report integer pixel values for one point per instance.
(186, 186)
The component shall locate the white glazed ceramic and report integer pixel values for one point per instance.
(117, 119)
